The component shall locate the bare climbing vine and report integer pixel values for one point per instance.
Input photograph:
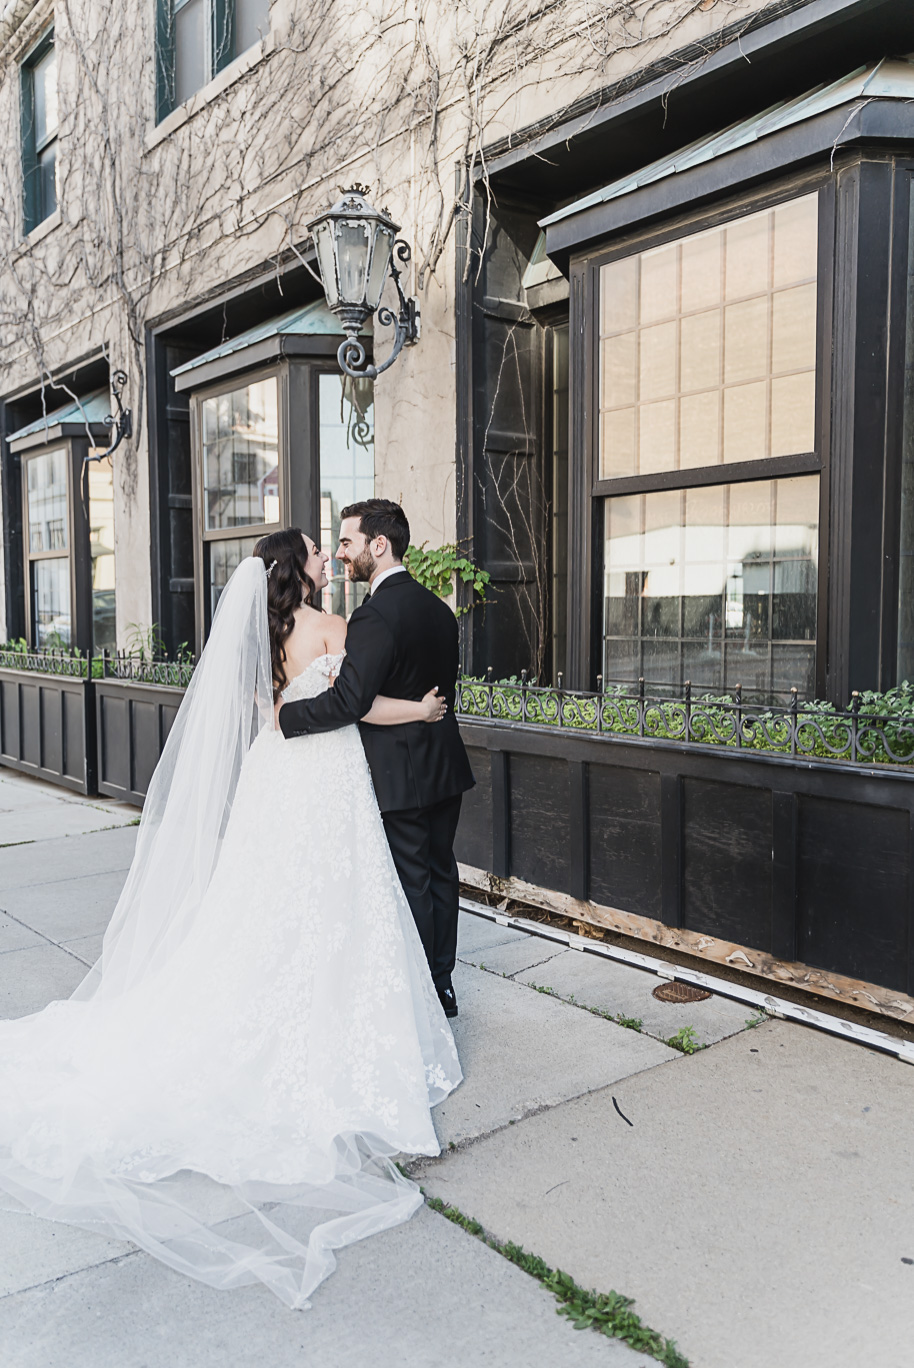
(405, 94)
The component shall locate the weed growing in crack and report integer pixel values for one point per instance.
(609, 1313)
(685, 1041)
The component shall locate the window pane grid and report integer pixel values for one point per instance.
(708, 346)
(716, 586)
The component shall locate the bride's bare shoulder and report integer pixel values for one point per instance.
(334, 633)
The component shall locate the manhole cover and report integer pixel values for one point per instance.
(680, 992)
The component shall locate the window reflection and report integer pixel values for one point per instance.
(101, 550)
(346, 473)
(714, 585)
(51, 602)
(708, 346)
(47, 501)
(224, 559)
(241, 456)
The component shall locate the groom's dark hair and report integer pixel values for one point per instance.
(381, 518)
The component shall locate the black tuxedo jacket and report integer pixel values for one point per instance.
(401, 642)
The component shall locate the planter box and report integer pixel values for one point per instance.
(809, 864)
(133, 722)
(47, 727)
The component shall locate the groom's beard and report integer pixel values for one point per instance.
(362, 567)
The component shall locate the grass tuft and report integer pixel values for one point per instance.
(609, 1313)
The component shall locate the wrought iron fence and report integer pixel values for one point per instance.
(137, 669)
(66, 663)
(875, 729)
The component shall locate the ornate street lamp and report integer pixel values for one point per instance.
(356, 245)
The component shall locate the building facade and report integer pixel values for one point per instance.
(663, 395)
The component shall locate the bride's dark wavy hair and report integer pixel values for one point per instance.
(288, 586)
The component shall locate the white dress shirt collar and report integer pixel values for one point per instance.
(386, 574)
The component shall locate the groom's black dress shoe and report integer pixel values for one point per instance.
(448, 1000)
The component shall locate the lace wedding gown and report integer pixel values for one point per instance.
(286, 1048)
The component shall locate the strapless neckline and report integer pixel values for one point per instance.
(334, 658)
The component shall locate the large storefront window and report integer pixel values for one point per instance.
(346, 472)
(47, 510)
(714, 585)
(708, 346)
(708, 359)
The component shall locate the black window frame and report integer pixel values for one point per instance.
(34, 210)
(300, 363)
(221, 44)
(78, 553)
(589, 491)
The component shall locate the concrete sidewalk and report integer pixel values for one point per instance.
(755, 1198)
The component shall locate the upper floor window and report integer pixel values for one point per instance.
(39, 132)
(197, 38)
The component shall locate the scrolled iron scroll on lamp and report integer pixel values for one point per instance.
(122, 425)
(356, 249)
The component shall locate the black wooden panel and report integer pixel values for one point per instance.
(144, 737)
(852, 897)
(474, 834)
(74, 735)
(51, 730)
(113, 742)
(30, 724)
(540, 821)
(167, 715)
(727, 838)
(9, 718)
(625, 839)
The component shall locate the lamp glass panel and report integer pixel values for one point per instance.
(380, 261)
(323, 241)
(241, 456)
(353, 244)
(47, 501)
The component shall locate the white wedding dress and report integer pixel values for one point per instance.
(273, 1030)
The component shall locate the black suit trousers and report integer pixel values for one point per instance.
(422, 843)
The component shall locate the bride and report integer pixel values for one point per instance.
(228, 1086)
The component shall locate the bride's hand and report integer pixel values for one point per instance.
(435, 707)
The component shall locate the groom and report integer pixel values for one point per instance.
(402, 641)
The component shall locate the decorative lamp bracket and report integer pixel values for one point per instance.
(122, 424)
(406, 324)
(357, 251)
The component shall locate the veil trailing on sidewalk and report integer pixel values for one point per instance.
(228, 1085)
